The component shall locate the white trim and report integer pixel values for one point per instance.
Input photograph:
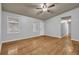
(75, 39)
(54, 36)
(34, 36)
(28, 38)
(11, 21)
(20, 38)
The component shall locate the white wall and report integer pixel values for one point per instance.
(26, 27)
(53, 26)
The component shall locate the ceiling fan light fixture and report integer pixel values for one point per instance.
(44, 9)
(41, 5)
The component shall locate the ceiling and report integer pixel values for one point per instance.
(29, 9)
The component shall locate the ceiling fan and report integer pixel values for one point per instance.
(45, 8)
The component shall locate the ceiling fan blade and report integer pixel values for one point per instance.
(49, 11)
(38, 8)
(45, 3)
(40, 12)
(51, 6)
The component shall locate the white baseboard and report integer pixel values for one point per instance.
(61, 37)
(54, 36)
(34, 36)
(20, 38)
(75, 39)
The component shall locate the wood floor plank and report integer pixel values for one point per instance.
(42, 45)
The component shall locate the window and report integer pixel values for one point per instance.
(12, 24)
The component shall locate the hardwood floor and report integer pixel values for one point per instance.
(42, 45)
(0, 49)
(76, 46)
